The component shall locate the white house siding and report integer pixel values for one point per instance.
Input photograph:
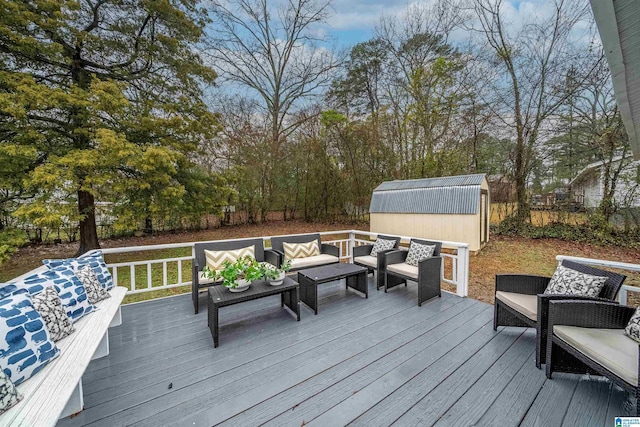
(627, 192)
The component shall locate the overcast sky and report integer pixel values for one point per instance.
(354, 21)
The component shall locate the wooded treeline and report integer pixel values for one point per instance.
(163, 112)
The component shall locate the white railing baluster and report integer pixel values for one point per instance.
(179, 272)
(164, 274)
(149, 275)
(132, 271)
(114, 275)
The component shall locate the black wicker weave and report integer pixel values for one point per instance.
(503, 315)
(562, 357)
(219, 296)
(429, 272)
(199, 261)
(364, 250)
(355, 278)
(277, 246)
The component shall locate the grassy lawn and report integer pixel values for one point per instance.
(536, 256)
(501, 255)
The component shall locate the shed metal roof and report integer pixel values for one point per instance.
(445, 195)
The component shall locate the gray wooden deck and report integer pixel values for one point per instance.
(365, 362)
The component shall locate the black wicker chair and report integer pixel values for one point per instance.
(520, 301)
(427, 274)
(565, 357)
(362, 257)
(199, 261)
(329, 254)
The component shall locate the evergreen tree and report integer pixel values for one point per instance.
(99, 98)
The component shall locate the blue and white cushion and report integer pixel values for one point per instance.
(74, 297)
(94, 260)
(37, 282)
(11, 288)
(25, 343)
(70, 290)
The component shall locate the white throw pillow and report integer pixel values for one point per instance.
(382, 245)
(566, 281)
(419, 252)
(215, 259)
(633, 327)
(300, 250)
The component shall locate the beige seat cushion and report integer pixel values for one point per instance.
(369, 260)
(404, 269)
(610, 348)
(312, 261)
(525, 304)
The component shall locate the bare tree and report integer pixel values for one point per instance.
(534, 61)
(276, 53)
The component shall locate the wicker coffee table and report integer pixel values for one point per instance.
(219, 296)
(309, 279)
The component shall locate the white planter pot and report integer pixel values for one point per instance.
(242, 285)
(278, 280)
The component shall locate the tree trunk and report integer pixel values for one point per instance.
(88, 229)
(86, 201)
(148, 225)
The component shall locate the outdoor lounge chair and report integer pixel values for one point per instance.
(427, 274)
(520, 301)
(587, 337)
(199, 261)
(362, 256)
(329, 254)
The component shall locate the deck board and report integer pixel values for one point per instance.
(376, 361)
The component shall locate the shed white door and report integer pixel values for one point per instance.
(484, 216)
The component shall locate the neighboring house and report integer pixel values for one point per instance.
(590, 185)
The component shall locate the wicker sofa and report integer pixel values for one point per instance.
(427, 274)
(520, 301)
(329, 254)
(199, 261)
(362, 256)
(587, 337)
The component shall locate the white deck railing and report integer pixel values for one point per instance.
(167, 273)
(635, 268)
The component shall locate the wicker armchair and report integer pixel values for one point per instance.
(427, 274)
(199, 261)
(362, 256)
(329, 254)
(520, 301)
(587, 337)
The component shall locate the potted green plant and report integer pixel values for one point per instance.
(276, 275)
(236, 276)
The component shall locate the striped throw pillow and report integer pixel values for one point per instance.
(300, 250)
(215, 259)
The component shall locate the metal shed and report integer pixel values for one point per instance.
(452, 208)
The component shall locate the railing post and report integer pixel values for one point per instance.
(622, 295)
(352, 243)
(462, 284)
